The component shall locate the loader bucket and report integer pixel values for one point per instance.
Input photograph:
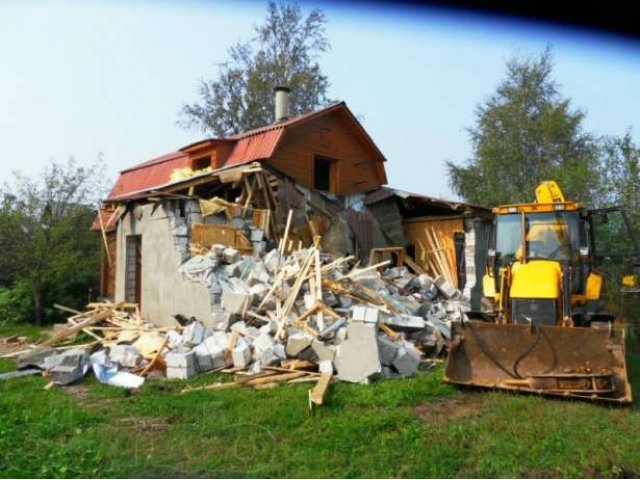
(581, 362)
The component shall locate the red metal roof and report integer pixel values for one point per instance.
(253, 145)
(148, 174)
(250, 148)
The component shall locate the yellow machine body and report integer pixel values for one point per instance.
(543, 337)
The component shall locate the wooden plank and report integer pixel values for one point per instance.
(283, 240)
(207, 235)
(98, 317)
(104, 238)
(316, 394)
(155, 357)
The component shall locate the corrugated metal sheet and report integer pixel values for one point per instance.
(149, 174)
(254, 147)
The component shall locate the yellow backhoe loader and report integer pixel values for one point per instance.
(547, 331)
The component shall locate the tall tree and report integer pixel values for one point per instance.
(44, 230)
(620, 184)
(523, 134)
(283, 53)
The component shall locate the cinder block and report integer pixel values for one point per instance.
(363, 313)
(445, 287)
(257, 235)
(125, 356)
(388, 350)
(177, 359)
(180, 373)
(298, 342)
(193, 334)
(234, 302)
(407, 362)
(241, 354)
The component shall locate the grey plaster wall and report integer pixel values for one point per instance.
(163, 291)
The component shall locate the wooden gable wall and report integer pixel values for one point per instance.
(357, 167)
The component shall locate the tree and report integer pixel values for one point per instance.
(283, 53)
(526, 133)
(45, 241)
(620, 184)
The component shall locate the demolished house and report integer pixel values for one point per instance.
(278, 255)
(238, 191)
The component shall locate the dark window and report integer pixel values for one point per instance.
(201, 163)
(322, 173)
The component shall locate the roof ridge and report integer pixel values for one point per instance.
(286, 123)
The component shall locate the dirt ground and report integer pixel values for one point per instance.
(12, 344)
(451, 408)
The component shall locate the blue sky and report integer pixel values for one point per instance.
(80, 78)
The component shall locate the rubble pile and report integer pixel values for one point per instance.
(277, 317)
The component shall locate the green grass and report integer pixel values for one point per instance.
(93, 430)
(32, 332)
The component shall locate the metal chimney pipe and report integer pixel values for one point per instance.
(282, 103)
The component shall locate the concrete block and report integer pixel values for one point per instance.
(256, 235)
(345, 301)
(204, 362)
(238, 286)
(323, 351)
(388, 350)
(35, 359)
(269, 328)
(443, 326)
(258, 290)
(407, 362)
(272, 260)
(181, 359)
(363, 313)
(125, 355)
(297, 342)
(395, 272)
(403, 281)
(65, 375)
(424, 281)
(280, 351)
(230, 255)
(181, 231)
(266, 356)
(258, 274)
(234, 302)
(405, 322)
(445, 287)
(216, 352)
(70, 366)
(259, 247)
(193, 334)
(358, 357)
(241, 354)
(180, 373)
(325, 366)
(263, 342)
(220, 318)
